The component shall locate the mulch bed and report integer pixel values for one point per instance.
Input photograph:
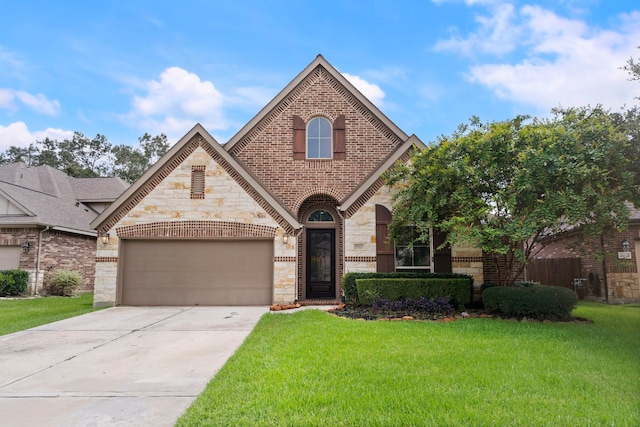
(368, 313)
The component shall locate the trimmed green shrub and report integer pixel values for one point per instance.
(539, 302)
(526, 284)
(351, 291)
(13, 282)
(64, 282)
(487, 285)
(460, 290)
(519, 284)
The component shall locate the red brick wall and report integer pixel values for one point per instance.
(58, 250)
(267, 150)
(70, 251)
(490, 269)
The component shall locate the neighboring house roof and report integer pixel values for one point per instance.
(98, 189)
(45, 196)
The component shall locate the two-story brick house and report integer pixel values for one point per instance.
(277, 214)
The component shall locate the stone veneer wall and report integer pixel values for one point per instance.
(360, 242)
(360, 234)
(466, 259)
(58, 250)
(170, 201)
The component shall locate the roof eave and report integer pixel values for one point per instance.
(413, 140)
(149, 174)
(318, 61)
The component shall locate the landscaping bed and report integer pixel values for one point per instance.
(370, 313)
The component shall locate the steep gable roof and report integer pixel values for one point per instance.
(196, 137)
(319, 61)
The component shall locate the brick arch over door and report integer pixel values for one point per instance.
(317, 193)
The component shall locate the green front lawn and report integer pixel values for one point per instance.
(313, 369)
(19, 314)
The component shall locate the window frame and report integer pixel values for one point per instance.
(320, 138)
(410, 246)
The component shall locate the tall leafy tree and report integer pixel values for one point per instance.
(81, 156)
(505, 186)
(633, 68)
(18, 154)
(131, 162)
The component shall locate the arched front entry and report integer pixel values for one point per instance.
(320, 254)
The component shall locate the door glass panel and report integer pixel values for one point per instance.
(320, 256)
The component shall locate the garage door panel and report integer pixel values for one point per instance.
(200, 272)
(199, 296)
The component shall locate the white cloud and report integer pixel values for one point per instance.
(176, 102)
(18, 135)
(496, 34)
(369, 90)
(565, 61)
(251, 96)
(37, 102)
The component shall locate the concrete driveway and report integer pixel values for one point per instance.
(123, 366)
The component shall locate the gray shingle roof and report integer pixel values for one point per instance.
(51, 198)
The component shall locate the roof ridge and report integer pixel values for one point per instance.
(35, 191)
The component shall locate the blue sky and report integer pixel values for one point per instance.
(123, 68)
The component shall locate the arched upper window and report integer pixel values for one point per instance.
(319, 144)
(320, 216)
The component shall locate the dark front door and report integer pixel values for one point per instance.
(321, 263)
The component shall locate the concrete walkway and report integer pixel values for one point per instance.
(123, 366)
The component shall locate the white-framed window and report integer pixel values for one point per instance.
(319, 139)
(412, 254)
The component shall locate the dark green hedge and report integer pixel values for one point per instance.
(351, 292)
(539, 302)
(518, 284)
(13, 282)
(459, 289)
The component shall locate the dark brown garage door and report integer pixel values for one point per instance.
(197, 272)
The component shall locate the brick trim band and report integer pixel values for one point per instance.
(191, 229)
(106, 259)
(360, 259)
(466, 259)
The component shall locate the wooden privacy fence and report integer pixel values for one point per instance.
(555, 271)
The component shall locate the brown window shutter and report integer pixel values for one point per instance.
(299, 128)
(339, 138)
(385, 260)
(441, 257)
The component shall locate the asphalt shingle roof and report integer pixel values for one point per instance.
(52, 198)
